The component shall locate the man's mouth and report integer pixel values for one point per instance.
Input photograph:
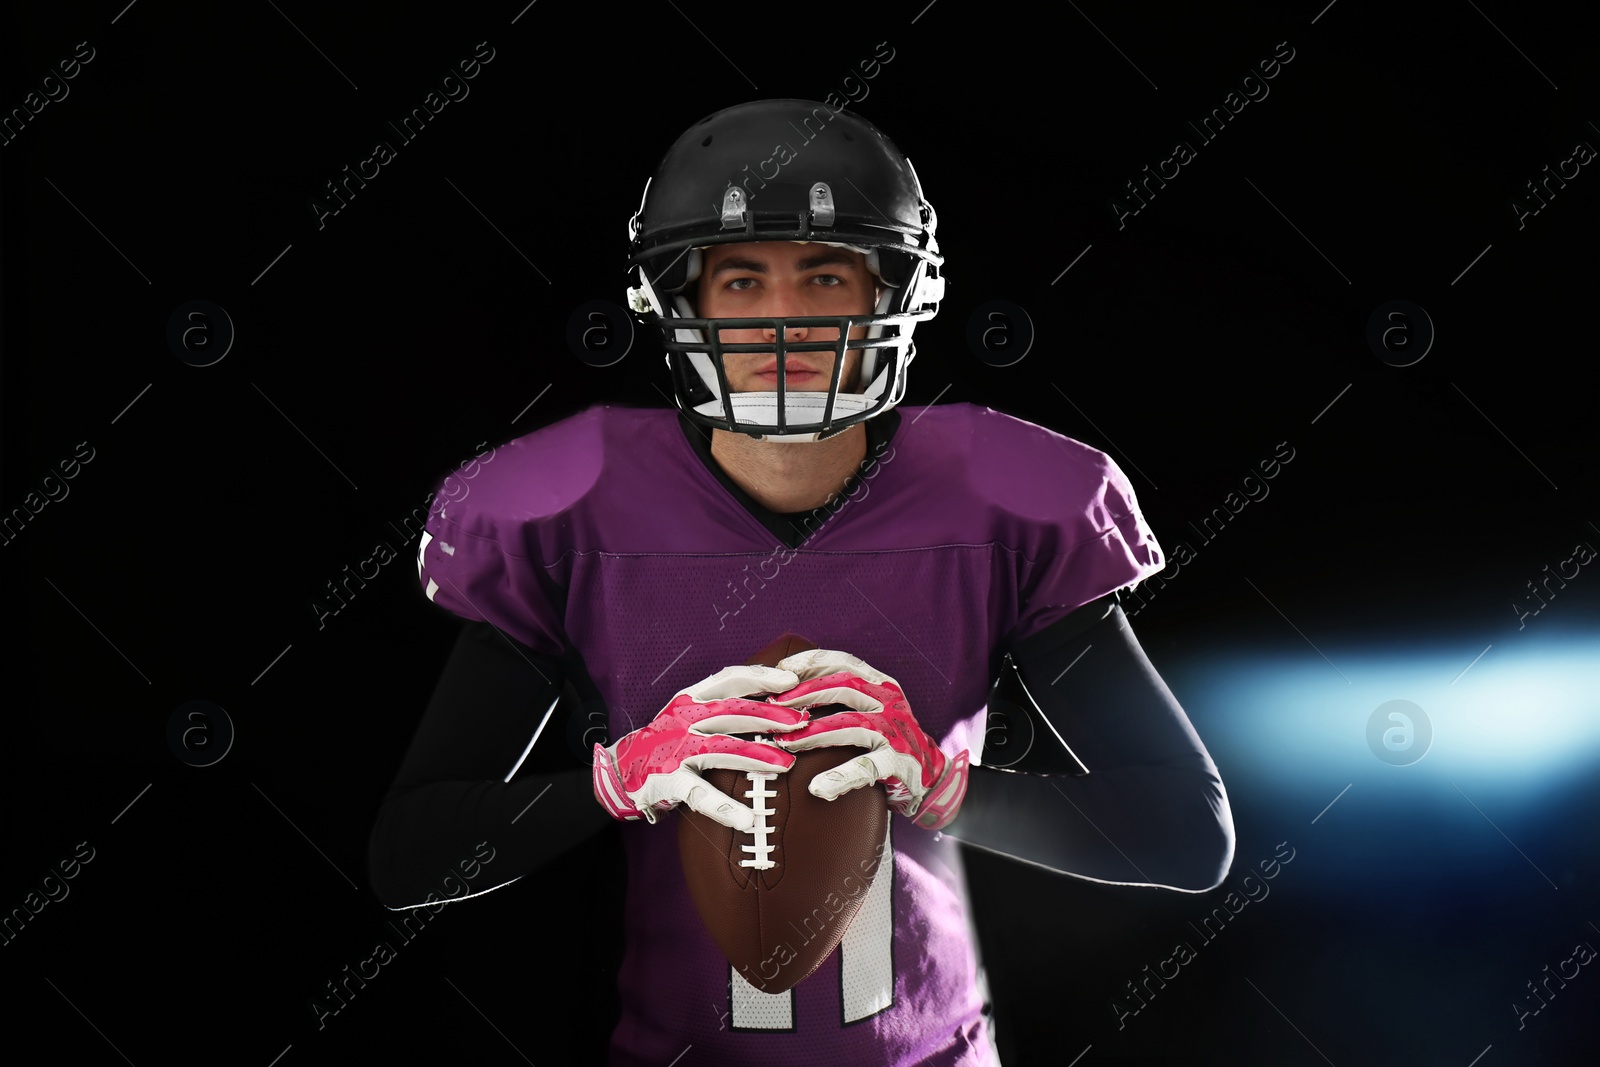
(795, 375)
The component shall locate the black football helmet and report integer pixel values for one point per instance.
(785, 170)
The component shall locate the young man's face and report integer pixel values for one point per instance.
(785, 279)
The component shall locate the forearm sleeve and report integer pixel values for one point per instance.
(451, 792)
(1151, 811)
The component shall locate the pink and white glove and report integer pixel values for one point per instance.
(656, 767)
(923, 784)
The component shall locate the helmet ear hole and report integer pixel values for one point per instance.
(895, 268)
(675, 274)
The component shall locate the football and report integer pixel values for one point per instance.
(777, 900)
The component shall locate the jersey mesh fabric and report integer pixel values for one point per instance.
(606, 534)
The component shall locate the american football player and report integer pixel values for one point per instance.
(946, 559)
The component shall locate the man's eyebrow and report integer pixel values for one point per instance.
(755, 266)
(833, 255)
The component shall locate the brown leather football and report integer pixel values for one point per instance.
(778, 902)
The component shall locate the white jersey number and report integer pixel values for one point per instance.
(866, 963)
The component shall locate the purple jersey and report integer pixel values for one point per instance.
(606, 534)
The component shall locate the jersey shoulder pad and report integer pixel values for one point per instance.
(1034, 473)
(1065, 509)
(535, 477)
(496, 535)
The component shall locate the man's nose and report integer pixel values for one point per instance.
(792, 333)
(784, 305)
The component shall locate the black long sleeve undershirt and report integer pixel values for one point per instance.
(450, 792)
(1151, 811)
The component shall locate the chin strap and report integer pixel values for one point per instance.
(799, 408)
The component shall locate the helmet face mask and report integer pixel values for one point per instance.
(846, 186)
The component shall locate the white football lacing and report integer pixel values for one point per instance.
(758, 794)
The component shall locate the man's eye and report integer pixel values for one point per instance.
(832, 279)
(737, 284)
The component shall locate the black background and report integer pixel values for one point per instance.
(419, 322)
